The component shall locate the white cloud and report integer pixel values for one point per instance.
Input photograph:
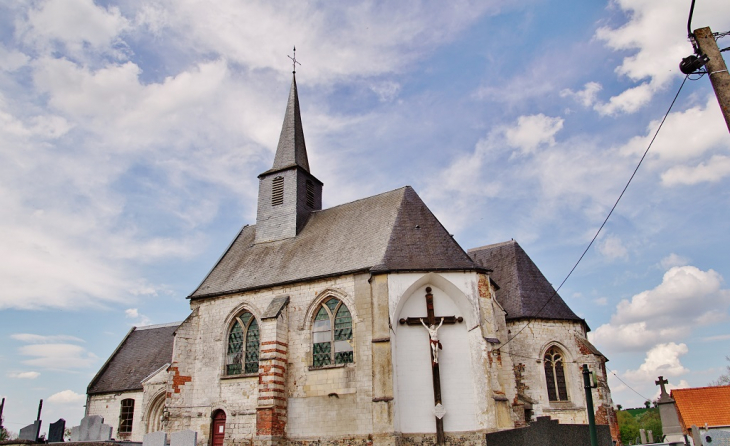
(673, 260)
(656, 46)
(601, 301)
(24, 375)
(687, 297)
(662, 359)
(533, 131)
(66, 397)
(613, 248)
(586, 96)
(44, 339)
(131, 313)
(76, 24)
(715, 169)
(58, 356)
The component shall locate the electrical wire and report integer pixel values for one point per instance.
(624, 383)
(689, 20)
(607, 216)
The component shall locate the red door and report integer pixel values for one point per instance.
(219, 427)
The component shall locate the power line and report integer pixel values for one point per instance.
(607, 216)
(624, 383)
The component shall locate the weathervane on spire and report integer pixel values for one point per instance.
(294, 61)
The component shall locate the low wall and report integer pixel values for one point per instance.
(547, 432)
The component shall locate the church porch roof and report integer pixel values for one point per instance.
(142, 352)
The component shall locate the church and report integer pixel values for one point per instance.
(362, 324)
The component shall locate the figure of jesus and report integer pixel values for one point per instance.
(433, 335)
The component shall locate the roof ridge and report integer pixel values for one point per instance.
(493, 245)
(361, 199)
(153, 326)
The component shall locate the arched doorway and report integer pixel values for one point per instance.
(155, 413)
(219, 427)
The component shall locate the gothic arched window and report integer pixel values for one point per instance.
(243, 345)
(555, 374)
(332, 334)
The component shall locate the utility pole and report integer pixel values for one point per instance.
(716, 69)
(589, 405)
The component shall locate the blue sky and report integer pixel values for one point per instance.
(131, 135)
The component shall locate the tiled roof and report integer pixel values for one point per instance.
(700, 405)
(393, 231)
(523, 289)
(143, 351)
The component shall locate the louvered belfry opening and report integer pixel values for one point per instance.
(277, 191)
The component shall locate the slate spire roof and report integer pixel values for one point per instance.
(291, 151)
(523, 289)
(393, 231)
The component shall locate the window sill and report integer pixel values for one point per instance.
(561, 405)
(243, 375)
(331, 366)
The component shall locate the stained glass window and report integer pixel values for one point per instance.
(242, 355)
(555, 375)
(332, 334)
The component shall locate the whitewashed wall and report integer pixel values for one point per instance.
(109, 405)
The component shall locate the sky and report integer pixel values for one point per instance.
(132, 133)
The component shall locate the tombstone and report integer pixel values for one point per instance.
(715, 437)
(55, 431)
(650, 434)
(642, 434)
(30, 432)
(184, 438)
(92, 428)
(671, 427)
(155, 439)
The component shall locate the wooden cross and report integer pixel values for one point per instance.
(432, 321)
(294, 61)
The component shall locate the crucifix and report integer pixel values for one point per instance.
(435, 345)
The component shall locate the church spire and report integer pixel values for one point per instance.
(291, 151)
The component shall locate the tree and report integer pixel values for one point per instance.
(651, 421)
(628, 427)
(5, 434)
(724, 379)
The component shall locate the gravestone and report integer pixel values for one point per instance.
(155, 439)
(642, 434)
(55, 431)
(650, 434)
(92, 428)
(184, 438)
(671, 428)
(30, 432)
(715, 437)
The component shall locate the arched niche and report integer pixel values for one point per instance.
(412, 360)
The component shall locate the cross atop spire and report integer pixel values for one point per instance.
(294, 61)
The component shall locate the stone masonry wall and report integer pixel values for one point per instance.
(528, 349)
(321, 402)
(109, 407)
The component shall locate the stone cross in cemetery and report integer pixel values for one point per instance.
(31, 431)
(434, 345)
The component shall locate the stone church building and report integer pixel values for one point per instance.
(314, 326)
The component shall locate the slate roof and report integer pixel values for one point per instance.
(523, 289)
(143, 351)
(393, 231)
(291, 151)
(702, 405)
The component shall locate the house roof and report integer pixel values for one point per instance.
(143, 351)
(700, 405)
(291, 151)
(393, 231)
(524, 292)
